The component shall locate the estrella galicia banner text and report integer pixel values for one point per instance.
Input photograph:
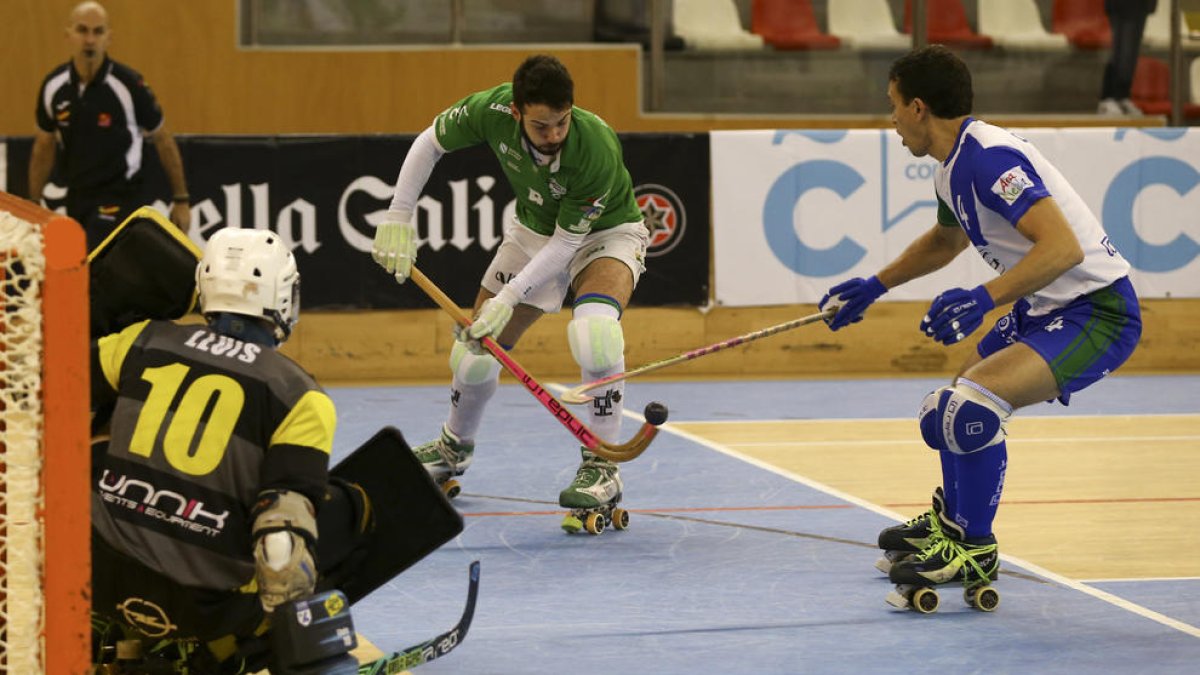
(325, 194)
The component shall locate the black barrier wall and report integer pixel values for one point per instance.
(323, 194)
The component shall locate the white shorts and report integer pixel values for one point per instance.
(626, 242)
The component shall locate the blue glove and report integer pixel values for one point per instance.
(956, 314)
(851, 298)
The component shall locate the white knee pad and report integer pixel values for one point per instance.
(471, 368)
(963, 418)
(597, 342)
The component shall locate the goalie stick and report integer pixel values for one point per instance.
(433, 648)
(576, 395)
(613, 452)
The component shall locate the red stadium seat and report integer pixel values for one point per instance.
(1151, 91)
(1083, 22)
(946, 24)
(789, 24)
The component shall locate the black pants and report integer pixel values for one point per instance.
(100, 214)
(1128, 21)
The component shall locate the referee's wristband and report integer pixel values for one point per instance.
(181, 198)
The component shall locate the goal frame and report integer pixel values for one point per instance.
(66, 461)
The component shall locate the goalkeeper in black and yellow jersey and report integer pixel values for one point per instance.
(212, 498)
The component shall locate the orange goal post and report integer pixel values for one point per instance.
(45, 556)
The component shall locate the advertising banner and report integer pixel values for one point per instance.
(325, 194)
(795, 212)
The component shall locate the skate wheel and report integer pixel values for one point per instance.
(451, 488)
(571, 524)
(925, 600)
(620, 519)
(595, 523)
(982, 598)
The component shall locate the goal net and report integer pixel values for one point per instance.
(45, 561)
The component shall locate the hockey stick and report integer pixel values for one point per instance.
(576, 395)
(612, 452)
(433, 648)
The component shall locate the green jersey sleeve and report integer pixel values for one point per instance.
(474, 119)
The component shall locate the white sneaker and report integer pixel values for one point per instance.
(1129, 108)
(1110, 107)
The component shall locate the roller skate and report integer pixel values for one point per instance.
(901, 541)
(949, 558)
(445, 459)
(593, 497)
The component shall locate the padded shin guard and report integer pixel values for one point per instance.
(598, 346)
(476, 377)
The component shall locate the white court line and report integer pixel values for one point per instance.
(913, 418)
(1117, 581)
(1020, 441)
(1036, 569)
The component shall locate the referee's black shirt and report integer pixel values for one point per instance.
(100, 126)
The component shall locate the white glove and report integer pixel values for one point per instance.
(395, 246)
(494, 315)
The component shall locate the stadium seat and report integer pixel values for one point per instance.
(789, 24)
(1158, 29)
(1017, 24)
(711, 25)
(1195, 80)
(946, 23)
(1083, 22)
(866, 25)
(1151, 90)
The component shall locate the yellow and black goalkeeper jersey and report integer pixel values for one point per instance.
(201, 423)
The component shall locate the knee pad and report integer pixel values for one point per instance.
(963, 418)
(597, 342)
(471, 368)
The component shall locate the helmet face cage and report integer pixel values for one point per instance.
(253, 273)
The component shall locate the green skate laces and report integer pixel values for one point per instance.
(951, 551)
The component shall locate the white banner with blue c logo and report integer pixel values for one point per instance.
(795, 212)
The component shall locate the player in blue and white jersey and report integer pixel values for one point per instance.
(1074, 319)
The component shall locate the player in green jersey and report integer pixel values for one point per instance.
(577, 229)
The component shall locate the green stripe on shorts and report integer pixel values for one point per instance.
(1103, 328)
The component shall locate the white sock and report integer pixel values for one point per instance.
(467, 403)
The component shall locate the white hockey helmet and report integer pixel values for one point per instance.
(253, 273)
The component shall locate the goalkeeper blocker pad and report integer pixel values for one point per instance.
(412, 515)
(145, 269)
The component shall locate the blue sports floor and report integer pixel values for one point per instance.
(732, 565)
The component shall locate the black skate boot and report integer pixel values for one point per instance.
(901, 541)
(950, 557)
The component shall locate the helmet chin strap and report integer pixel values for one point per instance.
(242, 327)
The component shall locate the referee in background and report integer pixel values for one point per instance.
(97, 112)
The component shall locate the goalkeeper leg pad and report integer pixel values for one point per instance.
(313, 636)
(963, 418)
(411, 516)
(146, 269)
